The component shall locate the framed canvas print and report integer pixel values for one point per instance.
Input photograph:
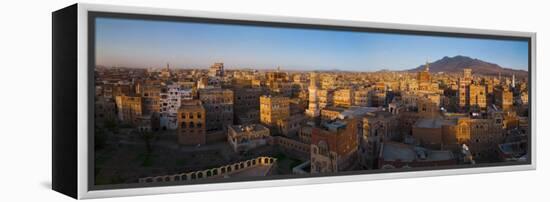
(149, 101)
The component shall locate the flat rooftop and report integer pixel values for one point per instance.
(429, 123)
(333, 108)
(359, 111)
(392, 151)
(397, 151)
(436, 122)
(190, 104)
(248, 128)
(513, 148)
(334, 125)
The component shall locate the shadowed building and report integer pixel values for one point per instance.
(334, 146)
(398, 155)
(105, 110)
(191, 123)
(150, 92)
(429, 131)
(378, 126)
(485, 135)
(247, 105)
(218, 104)
(129, 109)
(290, 126)
(151, 105)
(480, 134)
(247, 137)
(377, 98)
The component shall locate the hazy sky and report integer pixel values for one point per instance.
(142, 43)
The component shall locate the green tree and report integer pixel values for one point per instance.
(147, 137)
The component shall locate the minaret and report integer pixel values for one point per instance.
(424, 79)
(165, 72)
(427, 66)
(313, 107)
(513, 81)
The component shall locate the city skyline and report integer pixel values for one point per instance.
(145, 44)
(186, 126)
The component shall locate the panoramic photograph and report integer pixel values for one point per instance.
(191, 102)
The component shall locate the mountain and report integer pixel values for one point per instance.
(457, 63)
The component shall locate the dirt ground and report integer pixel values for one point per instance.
(125, 159)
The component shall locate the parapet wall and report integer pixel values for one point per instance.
(293, 148)
(213, 172)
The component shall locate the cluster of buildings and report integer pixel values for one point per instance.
(332, 121)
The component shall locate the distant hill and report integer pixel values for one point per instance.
(457, 63)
